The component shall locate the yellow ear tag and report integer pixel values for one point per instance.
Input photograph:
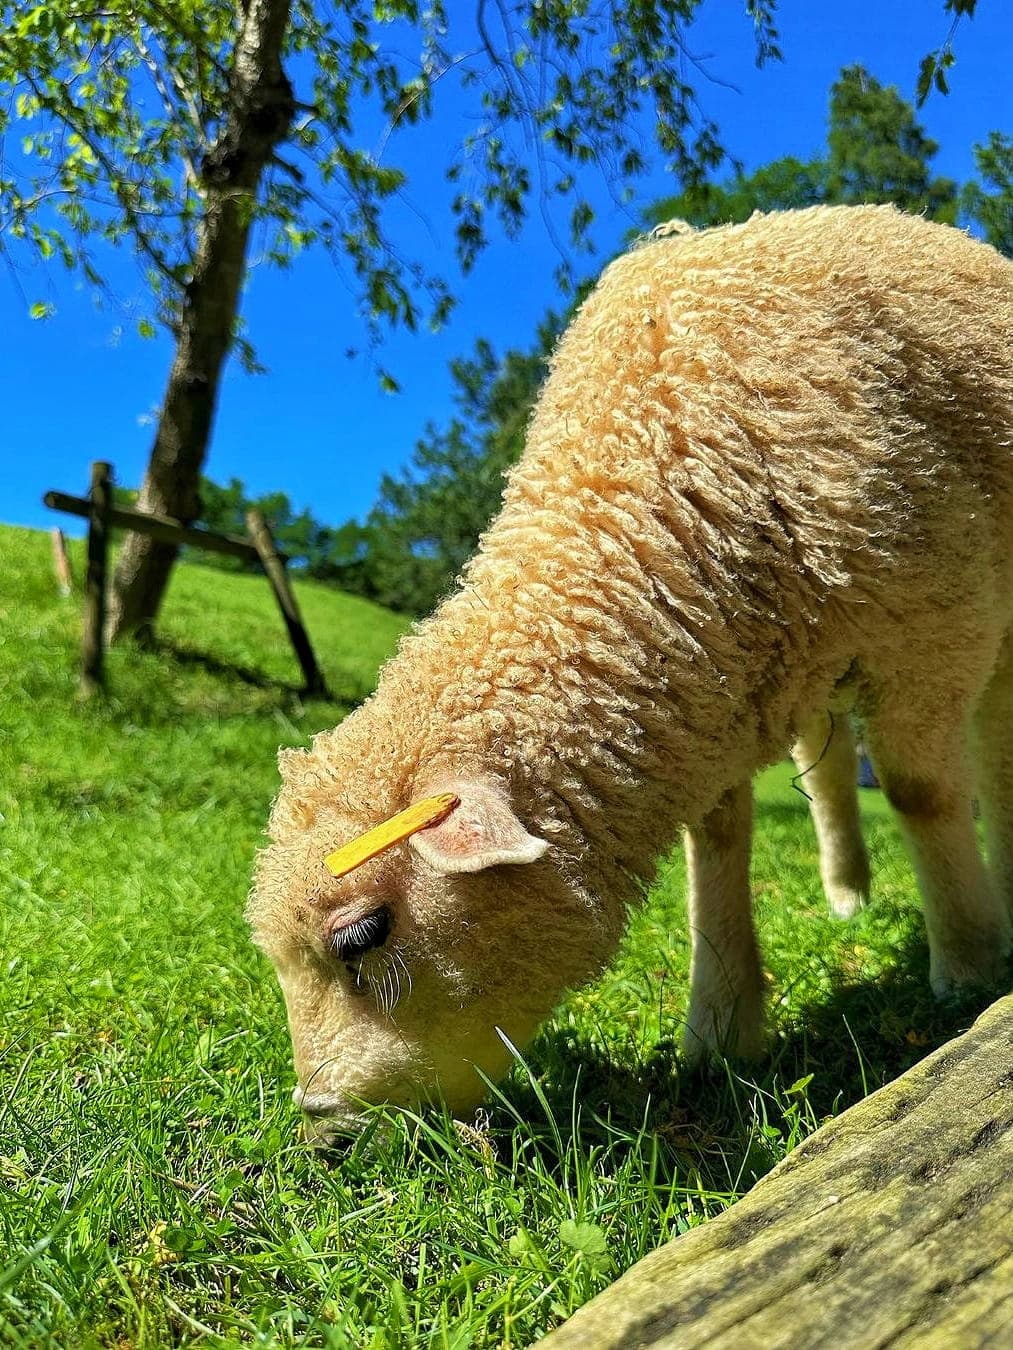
(420, 816)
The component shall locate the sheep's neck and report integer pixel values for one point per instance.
(617, 728)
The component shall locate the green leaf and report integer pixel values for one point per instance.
(586, 1238)
(42, 309)
(146, 329)
(178, 1240)
(926, 73)
(468, 1277)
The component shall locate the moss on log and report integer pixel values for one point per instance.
(891, 1225)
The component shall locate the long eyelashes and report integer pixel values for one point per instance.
(389, 989)
(356, 939)
(388, 978)
(392, 983)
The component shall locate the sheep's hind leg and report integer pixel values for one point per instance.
(924, 767)
(827, 762)
(993, 744)
(726, 982)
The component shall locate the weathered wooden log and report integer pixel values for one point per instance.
(891, 1225)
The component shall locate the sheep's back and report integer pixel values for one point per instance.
(749, 439)
(793, 380)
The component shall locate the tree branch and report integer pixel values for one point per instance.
(149, 59)
(70, 115)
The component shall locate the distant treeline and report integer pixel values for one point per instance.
(428, 519)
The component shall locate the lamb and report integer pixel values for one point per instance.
(769, 475)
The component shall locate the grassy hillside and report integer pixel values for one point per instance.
(153, 1190)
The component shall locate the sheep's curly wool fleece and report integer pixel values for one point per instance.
(767, 456)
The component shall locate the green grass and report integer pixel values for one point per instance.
(153, 1188)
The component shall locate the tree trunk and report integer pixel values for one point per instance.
(890, 1226)
(257, 118)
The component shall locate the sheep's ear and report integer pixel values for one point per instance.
(481, 832)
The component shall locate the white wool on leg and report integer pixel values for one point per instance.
(993, 744)
(726, 982)
(924, 767)
(825, 755)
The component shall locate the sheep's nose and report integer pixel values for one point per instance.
(328, 1118)
(318, 1103)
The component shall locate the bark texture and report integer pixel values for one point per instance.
(259, 112)
(891, 1226)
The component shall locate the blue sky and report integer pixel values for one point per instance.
(82, 385)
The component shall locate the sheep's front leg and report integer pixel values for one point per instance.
(825, 756)
(726, 982)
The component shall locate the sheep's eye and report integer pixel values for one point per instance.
(356, 939)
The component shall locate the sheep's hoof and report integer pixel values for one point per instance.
(703, 1049)
(974, 966)
(847, 901)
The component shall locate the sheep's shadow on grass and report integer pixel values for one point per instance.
(728, 1123)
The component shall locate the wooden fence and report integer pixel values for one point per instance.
(97, 508)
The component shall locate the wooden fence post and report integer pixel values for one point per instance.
(278, 577)
(61, 562)
(95, 579)
(103, 516)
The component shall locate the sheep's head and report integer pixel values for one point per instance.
(399, 974)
